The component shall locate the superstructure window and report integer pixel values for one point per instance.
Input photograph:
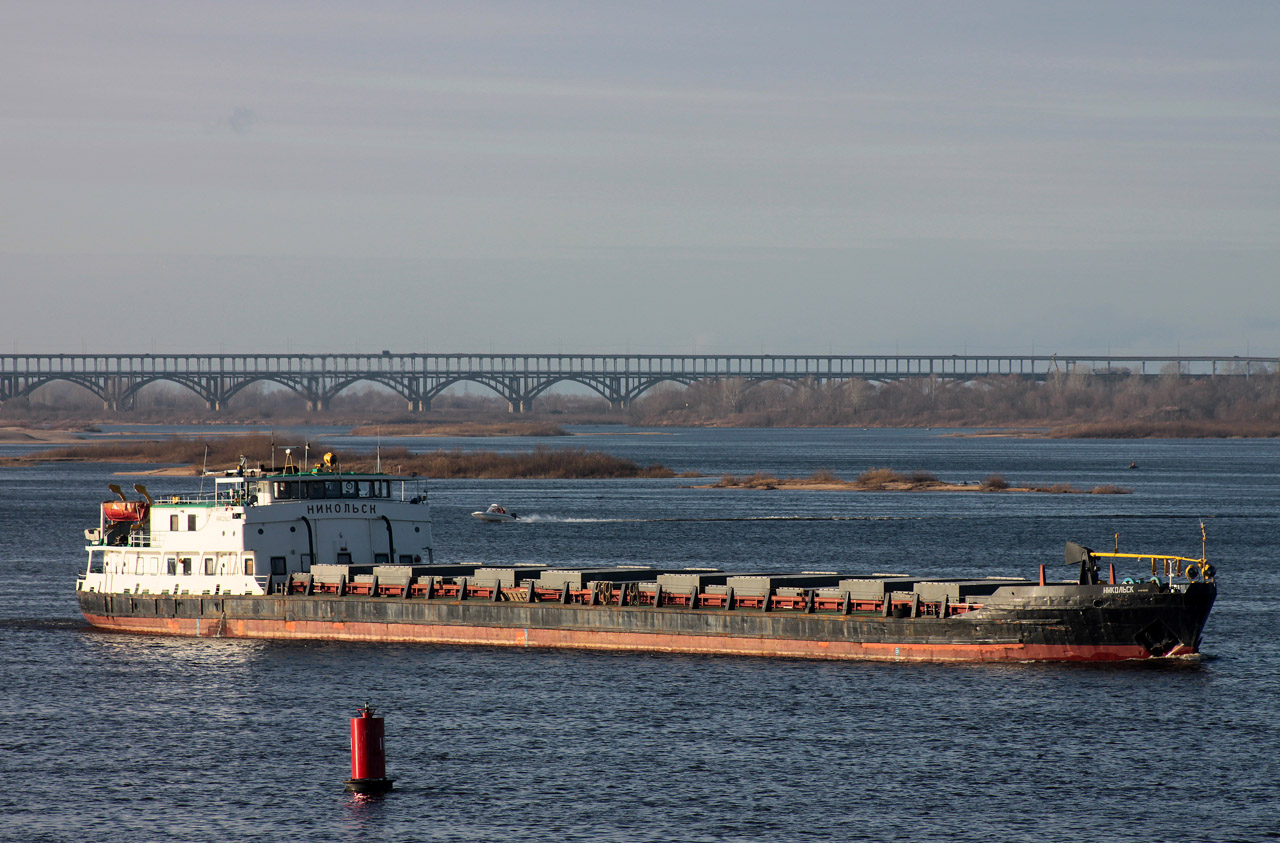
(286, 490)
(278, 565)
(186, 565)
(191, 522)
(210, 567)
(173, 523)
(344, 558)
(321, 489)
(171, 564)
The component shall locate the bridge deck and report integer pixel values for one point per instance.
(520, 378)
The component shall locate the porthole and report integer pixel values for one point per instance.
(293, 529)
(260, 531)
(417, 529)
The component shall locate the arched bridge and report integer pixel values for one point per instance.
(520, 378)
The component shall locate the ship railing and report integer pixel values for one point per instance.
(806, 601)
(136, 538)
(215, 498)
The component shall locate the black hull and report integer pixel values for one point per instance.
(1046, 623)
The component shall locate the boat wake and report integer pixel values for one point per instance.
(566, 519)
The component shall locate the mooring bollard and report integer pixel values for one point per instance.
(368, 754)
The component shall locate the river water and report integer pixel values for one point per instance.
(149, 738)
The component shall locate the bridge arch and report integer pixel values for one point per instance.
(88, 383)
(498, 385)
(606, 388)
(398, 386)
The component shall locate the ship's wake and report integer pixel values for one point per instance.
(569, 519)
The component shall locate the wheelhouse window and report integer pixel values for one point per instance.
(322, 489)
(286, 490)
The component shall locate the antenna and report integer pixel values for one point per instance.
(205, 468)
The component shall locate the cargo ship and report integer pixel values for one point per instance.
(337, 555)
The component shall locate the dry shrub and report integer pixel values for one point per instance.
(1165, 430)
(1110, 489)
(994, 483)
(222, 451)
(542, 462)
(823, 475)
(878, 478)
(923, 478)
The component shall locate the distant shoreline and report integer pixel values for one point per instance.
(67, 432)
(888, 480)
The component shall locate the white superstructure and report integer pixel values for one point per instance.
(254, 530)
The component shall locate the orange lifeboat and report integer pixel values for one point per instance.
(127, 511)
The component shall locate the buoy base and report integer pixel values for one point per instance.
(368, 785)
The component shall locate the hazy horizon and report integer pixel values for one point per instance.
(914, 178)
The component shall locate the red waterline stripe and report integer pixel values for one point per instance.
(631, 641)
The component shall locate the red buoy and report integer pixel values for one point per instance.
(368, 754)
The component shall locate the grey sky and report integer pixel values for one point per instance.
(646, 177)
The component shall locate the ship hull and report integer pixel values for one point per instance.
(1081, 626)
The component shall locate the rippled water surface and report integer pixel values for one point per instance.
(147, 738)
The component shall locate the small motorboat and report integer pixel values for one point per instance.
(495, 513)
